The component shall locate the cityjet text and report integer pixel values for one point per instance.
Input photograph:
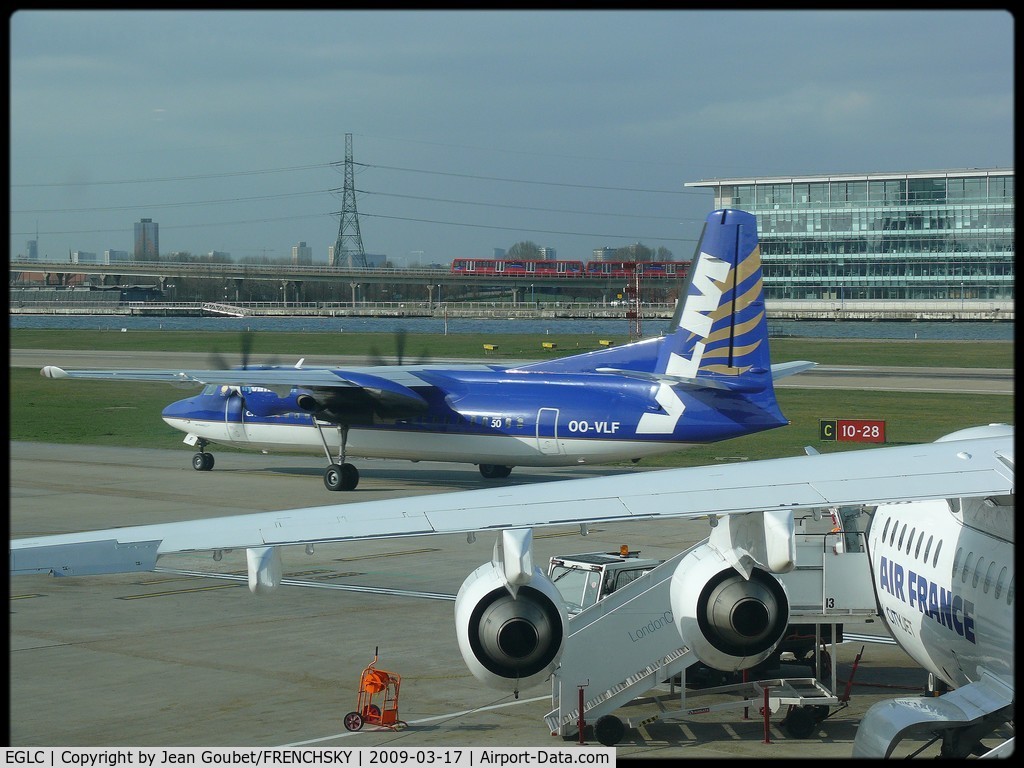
(943, 606)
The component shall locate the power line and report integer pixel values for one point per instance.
(540, 183)
(632, 238)
(174, 205)
(197, 177)
(520, 207)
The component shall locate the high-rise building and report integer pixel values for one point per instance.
(917, 235)
(548, 254)
(147, 239)
(33, 250)
(302, 253)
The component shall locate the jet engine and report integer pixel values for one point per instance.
(509, 634)
(728, 621)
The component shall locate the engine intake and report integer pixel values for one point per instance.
(730, 622)
(506, 638)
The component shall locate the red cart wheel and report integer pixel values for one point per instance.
(353, 721)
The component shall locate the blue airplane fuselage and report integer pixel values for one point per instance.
(491, 416)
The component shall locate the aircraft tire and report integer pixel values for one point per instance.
(495, 471)
(202, 462)
(353, 720)
(349, 477)
(609, 730)
(332, 481)
(341, 477)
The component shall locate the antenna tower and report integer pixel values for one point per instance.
(348, 250)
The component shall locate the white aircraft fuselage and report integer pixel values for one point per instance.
(944, 576)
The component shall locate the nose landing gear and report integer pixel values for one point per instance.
(202, 461)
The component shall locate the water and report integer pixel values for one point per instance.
(821, 329)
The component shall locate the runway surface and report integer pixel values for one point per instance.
(990, 381)
(186, 656)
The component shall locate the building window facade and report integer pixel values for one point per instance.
(147, 240)
(942, 235)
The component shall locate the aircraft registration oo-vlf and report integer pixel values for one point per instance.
(939, 561)
(709, 379)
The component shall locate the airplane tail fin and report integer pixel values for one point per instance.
(719, 333)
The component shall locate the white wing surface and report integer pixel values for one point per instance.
(952, 467)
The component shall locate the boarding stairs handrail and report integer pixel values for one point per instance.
(598, 629)
(635, 685)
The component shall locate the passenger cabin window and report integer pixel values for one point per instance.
(938, 546)
(988, 577)
(967, 567)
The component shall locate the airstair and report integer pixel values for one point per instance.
(627, 643)
(618, 649)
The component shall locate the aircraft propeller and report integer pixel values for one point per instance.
(401, 336)
(246, 341)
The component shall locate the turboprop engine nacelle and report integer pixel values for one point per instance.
(728, 621)
(510, 619)
(265, 402)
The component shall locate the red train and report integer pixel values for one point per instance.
(629, 268)
(568, 269)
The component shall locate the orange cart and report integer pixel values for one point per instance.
(377, 702)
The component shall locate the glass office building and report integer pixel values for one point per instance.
(147, 239)
(917, 235)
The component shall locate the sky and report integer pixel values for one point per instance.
(473, 130)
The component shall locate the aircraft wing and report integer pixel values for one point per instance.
(948, 468)
(387, 391)
(262, 377)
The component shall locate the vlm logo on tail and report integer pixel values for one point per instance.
(721, 333)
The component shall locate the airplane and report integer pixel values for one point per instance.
(709, 379)
(939, 541)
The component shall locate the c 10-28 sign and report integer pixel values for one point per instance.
(851, 430)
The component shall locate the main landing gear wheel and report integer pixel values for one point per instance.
(341, 477)
(495, 471)
(353, 721)
(202, 462)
